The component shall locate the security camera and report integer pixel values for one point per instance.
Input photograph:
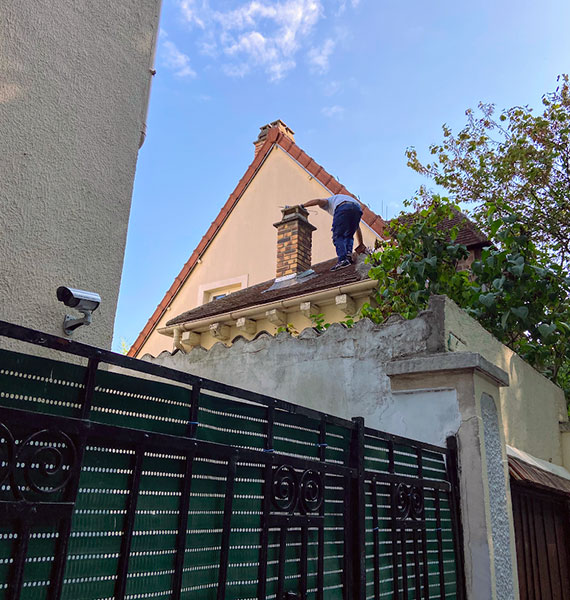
(84, 302)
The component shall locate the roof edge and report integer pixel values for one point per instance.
(354, 287)
(274, 136)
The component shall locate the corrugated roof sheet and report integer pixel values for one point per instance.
(522, 471)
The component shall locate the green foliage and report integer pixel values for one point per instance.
(125, 347)
(320, 325)
(514, 290)
(319, 322)
(518, 162)
(289, 328)
(419, 260)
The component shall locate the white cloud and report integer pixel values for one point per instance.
(333, 111)
(191, 13)
(319, 57)
(330, 88)
(258, 34)
(175, 60)
(344, 4)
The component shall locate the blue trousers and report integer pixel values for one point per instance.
(345, 223)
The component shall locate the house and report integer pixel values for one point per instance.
(227, 261)
(73, 101)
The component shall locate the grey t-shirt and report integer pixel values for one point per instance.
(337, 199)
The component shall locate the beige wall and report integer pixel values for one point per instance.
(295, 322)
(246, 245)
(74, 85)
(565, 441)
(532, 406)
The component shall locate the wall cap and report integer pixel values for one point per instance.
(448, 361)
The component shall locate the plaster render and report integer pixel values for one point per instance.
(234, 252)
(73, 98)
(477, 503)
(499, 510)
(532, 406)
(565, 440)
(299, 369)
(344, 372)
(439, 410)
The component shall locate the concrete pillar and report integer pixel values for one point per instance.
(486, 513)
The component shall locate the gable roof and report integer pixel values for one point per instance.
(274, 136)
(262, 293)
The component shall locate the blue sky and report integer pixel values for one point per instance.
(358, 81)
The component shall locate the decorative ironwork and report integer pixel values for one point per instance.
(44, 452)
(46, 459)
(408, 502)
(311, 492)
(289, 490)
(285, 488)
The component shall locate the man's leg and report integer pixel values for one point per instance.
(353, 215)
(339, 234)
(345, 223)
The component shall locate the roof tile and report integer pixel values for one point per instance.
(260, 294)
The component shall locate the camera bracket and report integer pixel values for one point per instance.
(71, 323)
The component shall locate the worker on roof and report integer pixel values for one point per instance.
(346, 213)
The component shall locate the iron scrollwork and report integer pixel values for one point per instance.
(408, 502)
(45, 459)
(289, 490)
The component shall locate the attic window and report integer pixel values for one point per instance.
(215, 290)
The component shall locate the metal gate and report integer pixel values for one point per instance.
(164, 485)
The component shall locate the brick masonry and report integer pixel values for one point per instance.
(294, 240)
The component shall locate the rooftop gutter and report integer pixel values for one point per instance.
(259, 309)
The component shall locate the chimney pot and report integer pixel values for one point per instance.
(264, 130)
(294, 241)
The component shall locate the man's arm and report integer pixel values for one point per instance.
(359, 236)
(361, 248)
(322, 202)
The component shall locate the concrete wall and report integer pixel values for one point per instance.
(237, 256)
(531, 406)
(74, 87)
(565, 440)
(341, 371)
(345, 372)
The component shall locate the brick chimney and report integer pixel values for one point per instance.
(294, 239)
(263, 131)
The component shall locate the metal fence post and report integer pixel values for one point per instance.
(452, 467)
(358, 510)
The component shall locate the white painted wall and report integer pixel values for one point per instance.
(74, 85)
(341, 371)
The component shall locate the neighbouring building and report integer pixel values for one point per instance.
(73, 101)
(228, 259)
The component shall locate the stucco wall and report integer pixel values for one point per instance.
(237, 254)
(531, 406)
(74, 85)
(341, 371)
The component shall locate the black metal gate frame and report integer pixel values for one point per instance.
(299, 497)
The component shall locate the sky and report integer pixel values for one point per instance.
(358, 81)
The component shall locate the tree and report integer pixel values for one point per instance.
(514, 290)
(518, 162)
